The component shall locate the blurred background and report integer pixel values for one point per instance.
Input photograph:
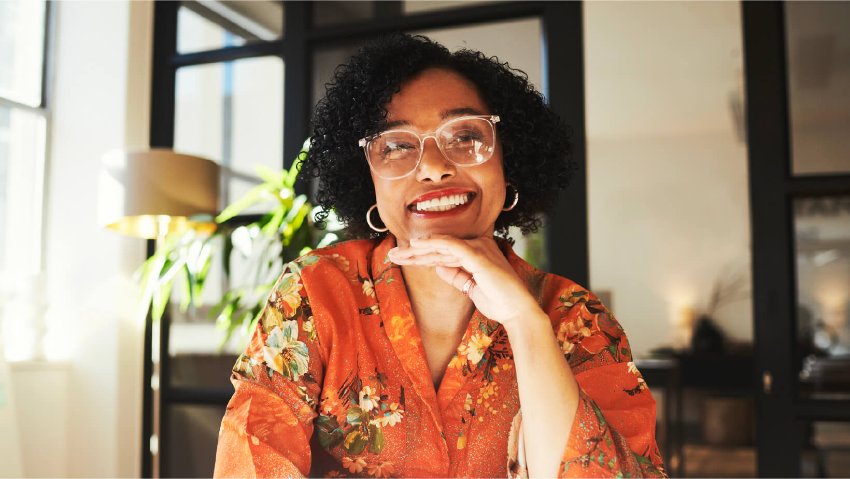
(711, 212)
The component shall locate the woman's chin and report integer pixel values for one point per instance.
(460, 231)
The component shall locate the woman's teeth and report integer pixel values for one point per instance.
(442, 204)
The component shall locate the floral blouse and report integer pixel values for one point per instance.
(335, 382)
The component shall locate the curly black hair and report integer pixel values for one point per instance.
(535, 148)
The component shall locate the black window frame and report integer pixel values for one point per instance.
(781, 413)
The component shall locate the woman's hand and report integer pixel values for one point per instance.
(496, 290)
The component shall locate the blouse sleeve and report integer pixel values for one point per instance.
(269, 420)
(613, 433)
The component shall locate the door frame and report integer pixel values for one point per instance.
(781, 413)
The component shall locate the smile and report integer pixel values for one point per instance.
(443, 203)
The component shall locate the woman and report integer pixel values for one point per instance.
(431, 349)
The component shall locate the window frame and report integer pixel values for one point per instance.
(780, 411)
(44, 111)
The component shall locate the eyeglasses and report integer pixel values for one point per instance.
(464, 141)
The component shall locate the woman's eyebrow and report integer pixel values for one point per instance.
(454, 112)
(395, 123)
(460, 112)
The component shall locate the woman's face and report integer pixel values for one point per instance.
(423, 104)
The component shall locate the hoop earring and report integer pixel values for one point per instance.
(369, 220)
(516, 197)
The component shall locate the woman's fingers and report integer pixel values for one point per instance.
(458, 278)
(476, 265)
(467, 252)
(425, 258)
(453, 275)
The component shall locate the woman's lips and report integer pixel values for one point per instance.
(439, 194)
(443, 205)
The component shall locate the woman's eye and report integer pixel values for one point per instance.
(397, 150)
(464, 137)
(399, 146)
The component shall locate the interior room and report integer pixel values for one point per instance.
(710, 211)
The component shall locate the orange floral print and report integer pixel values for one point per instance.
(354, 465)
(285, 297)
(336, 384)
(382, 469)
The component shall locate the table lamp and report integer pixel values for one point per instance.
(150, 193)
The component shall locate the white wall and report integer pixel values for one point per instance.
(667, 172)
(100, 102)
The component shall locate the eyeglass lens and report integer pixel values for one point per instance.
(465, 141)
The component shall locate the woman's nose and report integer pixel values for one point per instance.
(434, 166)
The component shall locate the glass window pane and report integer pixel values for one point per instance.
(22, 140)
(213, 25)
(22, 26)
(335, 12)
(232, 113)
(422, 6)
(22, 143)
(668, 215)
(822, 230)
(826, 450)
(192, 440)
(818, 45)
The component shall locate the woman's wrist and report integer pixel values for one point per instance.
(530, 322)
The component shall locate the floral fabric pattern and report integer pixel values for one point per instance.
(335, 383)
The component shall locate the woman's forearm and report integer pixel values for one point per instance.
(548, 392)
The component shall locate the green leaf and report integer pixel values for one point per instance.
(187, 290)
(354, 442)
(270, 176)
(261, 192)
(216, 310)
(274, 223)
(160, 301)
(329, 432)
(326, 423)
(356, 416)
(376, 439)
(297, 209)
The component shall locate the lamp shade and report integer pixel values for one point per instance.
(151, 193)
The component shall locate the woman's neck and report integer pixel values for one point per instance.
(438, 307)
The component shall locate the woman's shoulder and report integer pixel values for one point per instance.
(344, 256)
(578, 316)
(587, 331)
(547, 287)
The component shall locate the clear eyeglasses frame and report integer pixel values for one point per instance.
(391, 157)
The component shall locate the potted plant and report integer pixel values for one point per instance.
(179, 268)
